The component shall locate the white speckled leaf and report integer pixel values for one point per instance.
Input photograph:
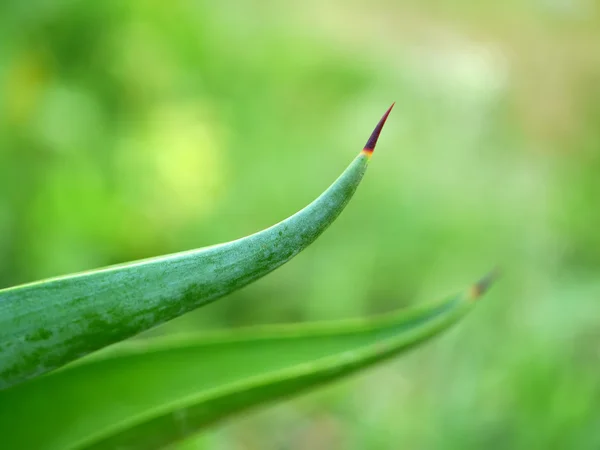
(49, 323)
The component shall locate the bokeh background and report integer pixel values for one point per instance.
(132, 129)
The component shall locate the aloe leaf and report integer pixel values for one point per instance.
(46, 324)
(147, 394)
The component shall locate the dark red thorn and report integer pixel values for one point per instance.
(483, 285)
(372, 142)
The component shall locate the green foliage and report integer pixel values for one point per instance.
(135, 129)
(162, 391)
(190, 384)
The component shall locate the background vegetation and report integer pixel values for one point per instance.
(132, 129)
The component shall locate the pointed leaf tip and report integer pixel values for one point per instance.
(372, 142)
(35, 317)
(484, 284)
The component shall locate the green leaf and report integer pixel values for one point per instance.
(46, 324)
(147, 394)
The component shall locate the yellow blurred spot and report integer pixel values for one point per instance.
(24, 83)
(174, 167)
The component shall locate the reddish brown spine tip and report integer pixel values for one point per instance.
(484, 284)
(372, 142)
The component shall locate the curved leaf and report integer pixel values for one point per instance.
(46, 324)
(144, 395)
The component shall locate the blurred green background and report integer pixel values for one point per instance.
(132, 129)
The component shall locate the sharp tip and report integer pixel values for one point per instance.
(484, 284)
(372, 142)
